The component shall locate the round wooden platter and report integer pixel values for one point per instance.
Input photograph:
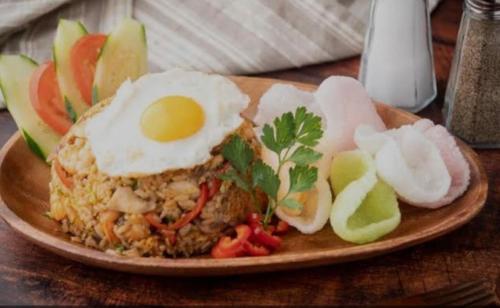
(25, 198)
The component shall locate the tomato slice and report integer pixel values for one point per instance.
(227, 247)
(83, 60)
(46, 98)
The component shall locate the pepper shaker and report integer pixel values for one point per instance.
(472, 100)
(397, 66)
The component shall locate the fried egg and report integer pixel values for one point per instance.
(164, 121)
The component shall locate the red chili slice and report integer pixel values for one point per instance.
(155, 221)
(188, 217)
(254, 220)
(259, 235)
(214, 187)
(282, 227)
(227, 247)
(169, 231)
(271, 229)
(170, 235)
(255, 250)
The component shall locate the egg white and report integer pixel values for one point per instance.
(121, 149)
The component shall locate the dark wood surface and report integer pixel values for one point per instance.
(30, 275)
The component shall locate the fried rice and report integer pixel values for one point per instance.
(86, 210)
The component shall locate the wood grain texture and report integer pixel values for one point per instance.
(29, 274)
(24, 199)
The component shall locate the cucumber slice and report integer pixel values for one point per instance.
(15, 74)
(68, 32)
(123, 56)
(365, 208)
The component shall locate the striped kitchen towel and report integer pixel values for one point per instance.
(223, 36)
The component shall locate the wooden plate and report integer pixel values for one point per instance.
(24, 194)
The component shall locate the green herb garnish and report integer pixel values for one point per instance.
(119, 248)
(291, 137)
(241, 157)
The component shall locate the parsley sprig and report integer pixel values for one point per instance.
(291, 136)
(242, 159)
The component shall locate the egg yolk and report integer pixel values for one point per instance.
(309, 201)
(172, 118)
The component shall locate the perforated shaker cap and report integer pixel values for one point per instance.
(487, 9)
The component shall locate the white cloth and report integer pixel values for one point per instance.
(223, 36)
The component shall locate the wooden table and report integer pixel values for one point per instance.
(29, 274)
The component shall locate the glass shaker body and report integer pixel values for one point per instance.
(472, 100)
(397, 65)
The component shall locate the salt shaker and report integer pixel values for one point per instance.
(397, 66)
(472, 100)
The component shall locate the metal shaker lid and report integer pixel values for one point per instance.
(487, 9)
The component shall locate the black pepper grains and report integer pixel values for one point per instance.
(472, 102)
